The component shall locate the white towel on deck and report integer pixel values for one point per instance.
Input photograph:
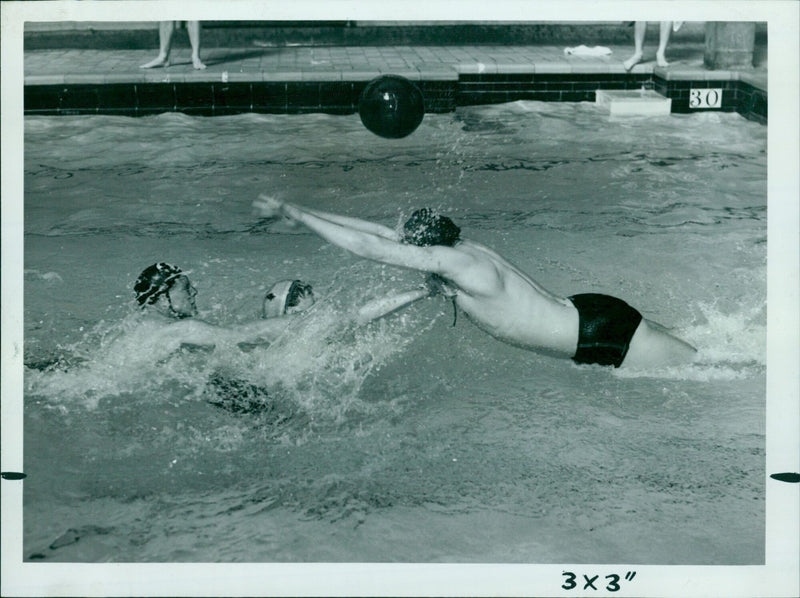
(586, 51)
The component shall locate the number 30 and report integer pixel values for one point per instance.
(705, 98)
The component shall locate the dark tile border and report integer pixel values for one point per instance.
(556, 87)
(737, 96)
(267, 97)
(753, 103)
(341, 97)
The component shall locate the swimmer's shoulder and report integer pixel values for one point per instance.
(480, 251)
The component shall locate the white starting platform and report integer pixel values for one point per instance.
(637, 102)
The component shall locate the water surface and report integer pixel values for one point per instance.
(410, 439)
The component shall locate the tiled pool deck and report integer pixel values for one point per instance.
(330, 78)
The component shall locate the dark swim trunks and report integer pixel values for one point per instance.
(606, 327)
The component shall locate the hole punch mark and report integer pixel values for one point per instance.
(789, 477)
(13, 475)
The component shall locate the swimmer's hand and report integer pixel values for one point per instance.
(268, 207)
(437, 286)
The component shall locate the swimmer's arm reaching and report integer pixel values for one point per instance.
(203, 334)
(259, 330)
(455, 265)
(270, 207)
(196, 332)
(358, 224)
(192, 332)
(383, 306)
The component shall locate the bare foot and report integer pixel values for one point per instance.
(632, 61)
(197, 63)
(157, 61)
(661, 61)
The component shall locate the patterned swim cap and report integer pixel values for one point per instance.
(283, 294)
(154, 281)
(426, 228)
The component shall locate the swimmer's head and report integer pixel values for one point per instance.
(287, 297)
(162, 280)
(155, 281)
(426, 228)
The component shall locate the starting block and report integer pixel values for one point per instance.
(633, 102)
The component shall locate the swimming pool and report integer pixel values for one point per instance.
(408, 440)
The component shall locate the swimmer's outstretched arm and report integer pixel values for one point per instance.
(441, 260)
(270, 207)
(197, 332)
(356, 224)
(264, 330)
(383, 306)
(192, 332)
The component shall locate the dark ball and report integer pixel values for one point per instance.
(391, 106)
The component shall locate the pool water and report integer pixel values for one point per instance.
(409, 439)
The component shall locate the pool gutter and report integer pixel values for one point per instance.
(329, 80)
(443, 92)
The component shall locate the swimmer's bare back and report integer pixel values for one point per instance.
(509, 305)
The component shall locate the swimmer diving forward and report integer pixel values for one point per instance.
(496, 295)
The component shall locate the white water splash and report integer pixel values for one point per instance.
(730, 346)
(319, 363)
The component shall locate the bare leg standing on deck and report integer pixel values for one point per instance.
(165, 31)
(663, 40)
(193, 29)
(640, 29)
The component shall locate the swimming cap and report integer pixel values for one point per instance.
(283, 294)
(154, 281)
(275, 299)
(426, 228)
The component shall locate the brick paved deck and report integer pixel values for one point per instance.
(358, 63)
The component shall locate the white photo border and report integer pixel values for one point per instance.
(779, 576)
